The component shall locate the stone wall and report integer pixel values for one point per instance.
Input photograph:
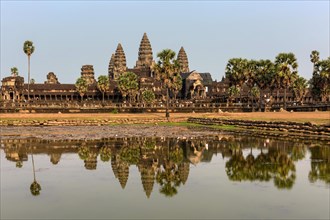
(302, 129)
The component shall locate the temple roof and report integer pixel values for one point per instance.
(207, 78)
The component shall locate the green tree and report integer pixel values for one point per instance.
(300, 88)
(28, 49)
(148, 96)
(286, 71)
(325, 78)
(265, 70)
(177, 84)
(35, 187)
(128, 85)
(167, 70)
(236, 72)
(103, 84)
(255, 92)
(81, 87)
(315, 58)
(251, 78)
(320, 82)
(32, 81)
(14, 71)
(233, 91)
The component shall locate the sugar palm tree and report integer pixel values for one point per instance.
(35, 187)
(264, 75)
(251, 78)
(315, 58)
(81, 87)
(28, 49)
(286, 71)
(128, 84)
(103, 84)
(167, 70)
(148, 96)
(237, 71)
(233, 91)
(14, 71)
(300, 88)
(255, 93)
(177, 84)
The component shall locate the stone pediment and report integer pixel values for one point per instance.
(195, 76)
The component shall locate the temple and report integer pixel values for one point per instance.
(196, 86)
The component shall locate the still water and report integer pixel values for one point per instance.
(220, 177)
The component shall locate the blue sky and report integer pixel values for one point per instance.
(69, 34)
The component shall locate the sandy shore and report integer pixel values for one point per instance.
(313, 117)
(99, 132)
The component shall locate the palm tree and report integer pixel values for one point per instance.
(103, 84)
(128, 84)
(167, 70)
(251, 78)
(177, 84)
(28, 49)
(14, 71)
(255, 92)
(148, 96)
(233, 91)
(236, 72)
(81, 87)
(286, 71)
(324, 68)
(315, 58)
(263, 77)
(300, 88)
(35, 187)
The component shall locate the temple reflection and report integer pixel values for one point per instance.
(166, 161)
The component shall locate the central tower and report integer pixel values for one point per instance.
(145, 58)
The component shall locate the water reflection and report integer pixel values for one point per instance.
(167, 161)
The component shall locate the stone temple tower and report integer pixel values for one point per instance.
(145, 58)
(117, 64)
(111, 66)
(183, 60)
(87, 72)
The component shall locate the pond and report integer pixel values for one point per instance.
(212, 177)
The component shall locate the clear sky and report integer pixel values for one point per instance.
(70, 34)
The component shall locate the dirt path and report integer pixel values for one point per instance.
(314, 117)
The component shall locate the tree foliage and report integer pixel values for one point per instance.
(300, 88)
(128, 85)
(28, 47)
(103, 84)
(14, 71)
(81, 86)
(320, 82)
(167, 70)
(148, 96)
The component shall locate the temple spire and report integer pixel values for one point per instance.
(183, 60)
(111, 66)
(119, 63)
(145, 57)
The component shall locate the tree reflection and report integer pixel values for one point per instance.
(35, 187)
(320, 164)
(275, 164)
(166, 161)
